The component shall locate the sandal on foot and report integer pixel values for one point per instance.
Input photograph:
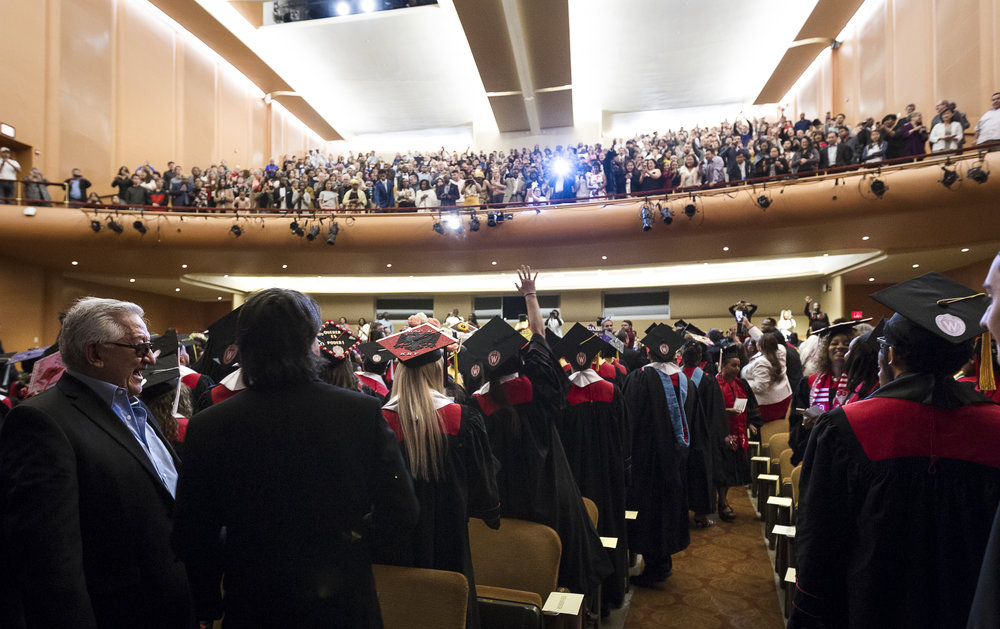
(726, 513)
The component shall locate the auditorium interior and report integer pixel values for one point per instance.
(98, 84)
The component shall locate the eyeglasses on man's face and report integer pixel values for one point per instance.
(141, 349)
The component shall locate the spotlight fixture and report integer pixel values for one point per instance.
(977, 173)
(474, 223)
(491, 219)
(334, 230)
(949, 176)
(439, 228)
(646, 216)
(313, 232)
(764, 202)
(140, 227)
(96, 226)
(453, 222)
(236, 230)
(298, 231)
(115, 226)
(294, 225)
(667, 214)
(878, 187)
(690, 210)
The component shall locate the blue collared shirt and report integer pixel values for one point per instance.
(133, 414)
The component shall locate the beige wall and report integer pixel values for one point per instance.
(705, 306)
(34, 297)
(908, 51)
(105, 83)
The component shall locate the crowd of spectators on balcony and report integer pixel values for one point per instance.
(728, 153)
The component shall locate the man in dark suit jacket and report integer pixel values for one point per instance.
(86, 489)
(290, 486)
(842, 154)
(384, 197)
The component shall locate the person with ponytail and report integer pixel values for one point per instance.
(448, 453)
(766, 373)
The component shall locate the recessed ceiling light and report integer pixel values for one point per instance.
(74, 263)
(965, 250)
(226, 275)
(184, 266)
(284, 266)
(131, 280)
(604, 257)
(704, 263)
(865, 237)
(177, 290)
(494, 263)
(916, 266)
(826, 255)
(389, 265)
(220, 298)
(725, 248)
(871, 279)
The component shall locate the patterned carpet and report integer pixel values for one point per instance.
(724, 579)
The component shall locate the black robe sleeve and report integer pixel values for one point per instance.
(480, 465)
(823, 529)
(798, 435)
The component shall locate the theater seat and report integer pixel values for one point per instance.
(519, 563)
(416, 598)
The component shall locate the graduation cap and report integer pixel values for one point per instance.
(662, 342)
(335, 342)
(579, 346)
(219, 358)
(871, 337)
(164, 375)
(417, 346)
(552, 338)
(376, 358)
(612, 344)
(688, 328)
(495, 346)
(937, 304)
(844, 327)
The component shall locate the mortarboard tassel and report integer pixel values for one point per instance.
(987, 382)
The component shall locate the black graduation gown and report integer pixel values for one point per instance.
(985, 612)
(592, 429)
(658, 489)
(534, 479)
(466, 488)
(898, 494)
(709, 427)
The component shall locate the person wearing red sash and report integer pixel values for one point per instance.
(824, 390)
(741, 408)
(899, 490)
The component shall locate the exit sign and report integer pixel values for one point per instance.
(857, 314)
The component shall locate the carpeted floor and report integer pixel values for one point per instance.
(724, 579)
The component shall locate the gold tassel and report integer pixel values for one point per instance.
(986, 380)
(456, 375)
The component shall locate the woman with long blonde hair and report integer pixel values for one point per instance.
(448, 454)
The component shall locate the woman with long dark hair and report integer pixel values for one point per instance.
(448, 453)
(767, 375)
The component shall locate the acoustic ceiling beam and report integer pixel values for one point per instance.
(827, 20)
(203, 25)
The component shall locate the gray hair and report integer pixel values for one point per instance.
(92, 320)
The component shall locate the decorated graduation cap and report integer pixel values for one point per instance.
(163, 375)
(844, 327)
(417, 346)
(496, 348)
(335, 342)
(611, 345)
(375, 357)
(579, 347)
(662, 342)
(937, 304)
